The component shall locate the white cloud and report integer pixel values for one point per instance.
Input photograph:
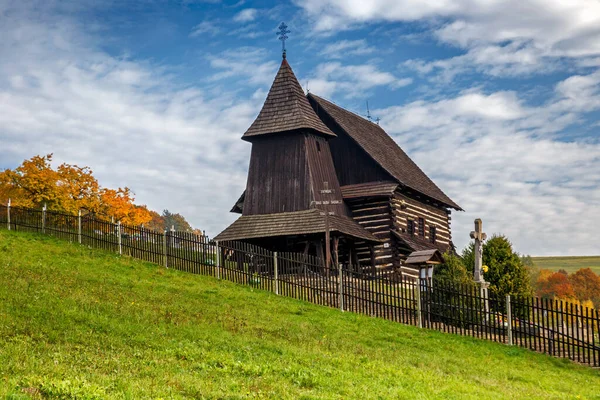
(345, 48)
(205, 27)
(176, 146)
(245, 63)
(246, 15)
(501, 160)
(500, 37)
(351, 80)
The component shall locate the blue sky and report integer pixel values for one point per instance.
(498, 101)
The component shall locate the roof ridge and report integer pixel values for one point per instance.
(383, 149)
(346, 110)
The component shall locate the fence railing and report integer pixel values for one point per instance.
(549, 326)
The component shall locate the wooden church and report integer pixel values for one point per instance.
(323, 180)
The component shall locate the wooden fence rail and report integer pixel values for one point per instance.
(549, 326)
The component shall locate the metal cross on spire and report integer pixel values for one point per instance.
(283, 31)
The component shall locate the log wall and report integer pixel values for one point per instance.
(405, 208)
(374, 214)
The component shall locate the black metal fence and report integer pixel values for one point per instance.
(549, 326)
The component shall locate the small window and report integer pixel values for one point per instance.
(421, 226)
(318, 146)
(432, 234)
(410, 226)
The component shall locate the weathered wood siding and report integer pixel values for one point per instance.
(352, 163)
(414, 209)
(323, 177)
(278, 176)
(374, 214)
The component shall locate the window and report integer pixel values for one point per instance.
(410, 226)
(432, 234)
(421, 226)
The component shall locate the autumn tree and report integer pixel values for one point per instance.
(32, 184)
(69, 188)
(555, 285)
(586, 285)
(156, 223)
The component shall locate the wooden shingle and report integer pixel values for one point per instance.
(369, 189)
(286, 108)
(382, 149)
(291, 223)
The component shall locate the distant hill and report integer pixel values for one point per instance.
(78, 323)
(569, 264)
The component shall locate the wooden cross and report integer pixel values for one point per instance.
(479, 237)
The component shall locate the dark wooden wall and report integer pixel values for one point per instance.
(323, 176)
(413, 209)
(374, 214)
(352, 164)
(278, 177)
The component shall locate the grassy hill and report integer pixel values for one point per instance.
(81, 323)
(569, 264)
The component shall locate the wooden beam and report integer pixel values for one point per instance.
(336, 242)
(373, 267)
(327, 244)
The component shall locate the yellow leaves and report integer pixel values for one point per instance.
(31, 184)
(119, 205)
(69, 188)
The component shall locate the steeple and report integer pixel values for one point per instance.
(286, 109)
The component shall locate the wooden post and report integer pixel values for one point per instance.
(373, 267)
(165, 249)
(8, 214)
(336, 242)
(218, 250)
(79, 226)
(275, 273)
(119, 237)
(417, 295)
(327, 244)
(44, 218)
(509, 330)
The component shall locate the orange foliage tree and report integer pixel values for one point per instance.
(586, 285)
(68, 189)
(555, 286)
(581, 288)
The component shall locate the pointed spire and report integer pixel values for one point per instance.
(286, 108)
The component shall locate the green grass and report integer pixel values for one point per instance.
(81, 323)
(569, 264)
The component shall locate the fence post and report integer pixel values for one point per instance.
(341, 287)
(418, 297)
(509, 330)
(165, 249)
(44, 218)
(79, 226)
(218, 250)
(119, 237)
(275, 273)
(8, 214)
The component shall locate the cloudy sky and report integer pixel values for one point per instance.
(498, 101)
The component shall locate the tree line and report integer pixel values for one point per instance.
(70, 188)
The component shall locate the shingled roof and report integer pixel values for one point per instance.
(291, 223)
(416, 243)
(369, 189)
(286, 108)
(383, 149)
